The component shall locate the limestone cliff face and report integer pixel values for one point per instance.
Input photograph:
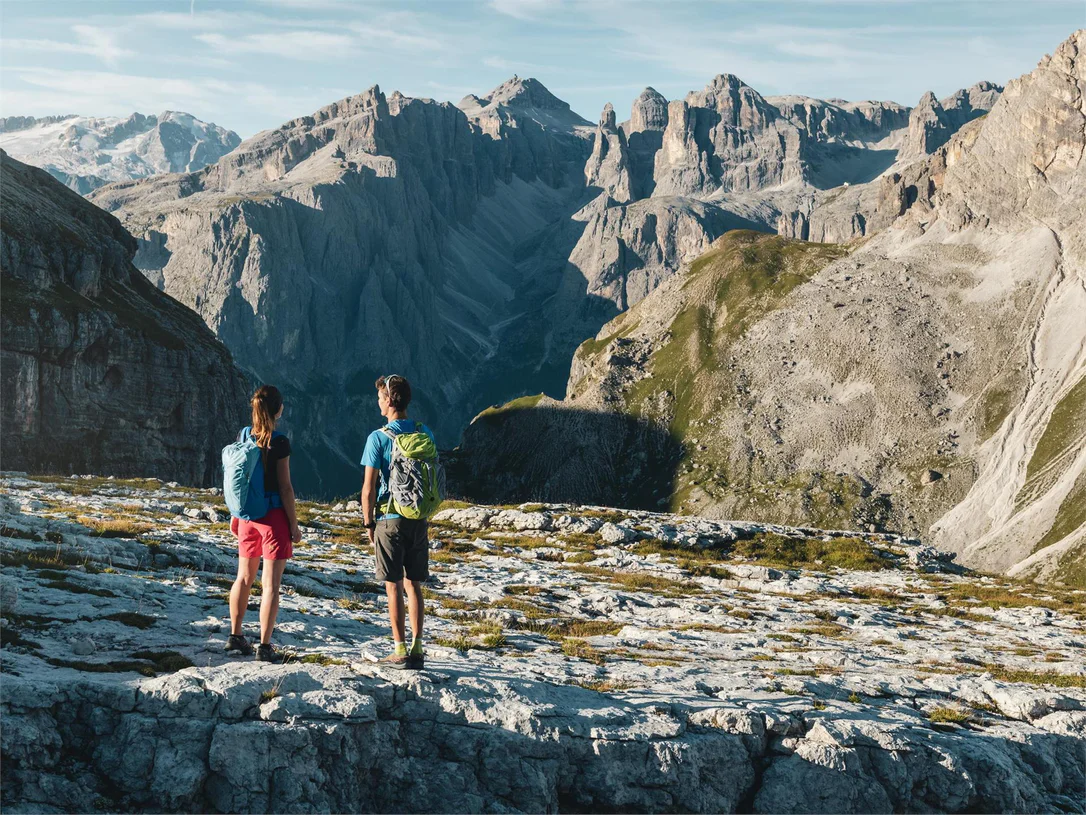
(932, 379)
(376, 235)
(103, 373)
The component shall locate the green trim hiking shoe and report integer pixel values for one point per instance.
(394, 660)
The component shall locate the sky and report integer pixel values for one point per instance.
(250, 65)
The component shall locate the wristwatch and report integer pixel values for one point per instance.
(370, 525)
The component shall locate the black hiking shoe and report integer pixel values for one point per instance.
(265, 653)
(237, 642)
(415, 662)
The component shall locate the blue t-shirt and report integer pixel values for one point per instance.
(378, 454)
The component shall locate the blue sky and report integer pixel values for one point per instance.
(253, 64)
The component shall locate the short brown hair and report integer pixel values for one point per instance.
(398, 390)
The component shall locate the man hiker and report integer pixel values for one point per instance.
(402, 487)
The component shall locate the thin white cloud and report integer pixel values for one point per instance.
(378, 36)
(91, 41)
(525, 9)
(310, 46)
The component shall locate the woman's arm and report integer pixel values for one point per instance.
(286, 492)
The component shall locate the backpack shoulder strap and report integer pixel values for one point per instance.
(244, 434)
(388, 431)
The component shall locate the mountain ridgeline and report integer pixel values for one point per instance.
(86, 152)
(930, 379)
(473, 247)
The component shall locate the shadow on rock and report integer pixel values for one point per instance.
(554, 453)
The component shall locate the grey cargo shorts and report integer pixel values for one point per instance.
(403, 548)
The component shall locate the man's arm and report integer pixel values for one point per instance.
(369, 499)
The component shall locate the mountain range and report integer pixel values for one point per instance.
(473, 247)
(86, 152)
(892, 357)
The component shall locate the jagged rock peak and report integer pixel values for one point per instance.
(729, 81)
(649, 111)
(607, 118)
(525, 93)
(928, 100)
(738, 104)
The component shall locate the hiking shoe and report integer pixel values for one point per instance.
(237, 642)
(415, 662)
(265, 653)
(394, 660)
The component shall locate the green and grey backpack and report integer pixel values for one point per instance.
(416, 479)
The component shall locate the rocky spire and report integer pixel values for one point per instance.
(928, 126)
(609, 166)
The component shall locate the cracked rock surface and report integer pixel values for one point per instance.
(578, 658)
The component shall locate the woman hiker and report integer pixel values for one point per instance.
(271, 537)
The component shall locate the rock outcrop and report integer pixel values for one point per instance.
(578, 658)
(85, 153)
(822, 385)
(101, 370)
(932, 122)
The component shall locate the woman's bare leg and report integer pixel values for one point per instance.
(269, 600)
(239, 592)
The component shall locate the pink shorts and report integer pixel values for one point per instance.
(268, 537)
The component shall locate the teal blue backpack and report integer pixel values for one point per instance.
(243, 478)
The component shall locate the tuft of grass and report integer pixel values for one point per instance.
(459, 642)
(350, 603)
(321, 659)
(485, 627)
(132, 618)
(855, 698)
(114, 528)
(1027, 677)
(579, 649)
(494, 640)
(949, 715)
(822, 630)
(581, 557)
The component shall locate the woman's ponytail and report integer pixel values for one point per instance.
(266, 403)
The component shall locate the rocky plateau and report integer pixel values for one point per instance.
(578, 658)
